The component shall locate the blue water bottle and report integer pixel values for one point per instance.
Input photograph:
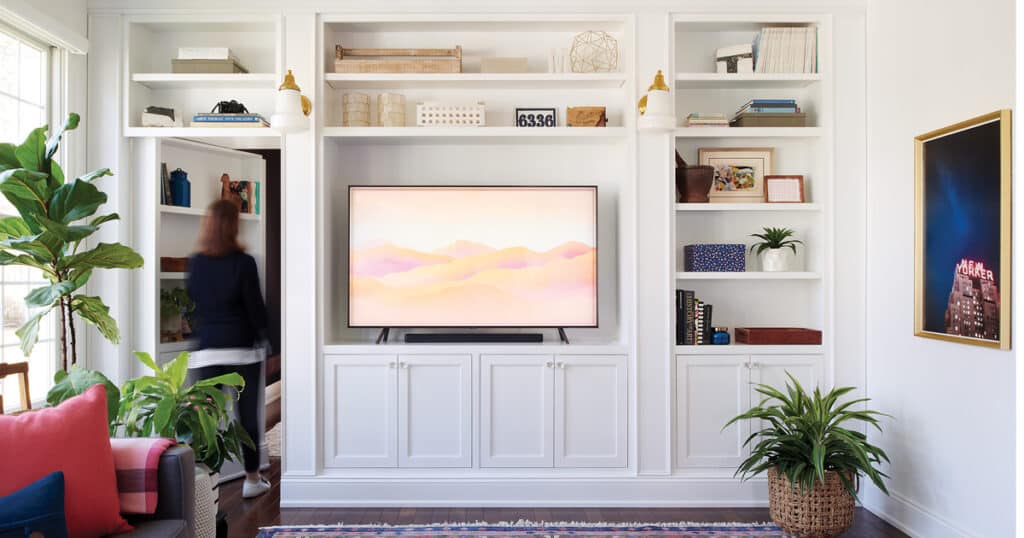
(181, 189)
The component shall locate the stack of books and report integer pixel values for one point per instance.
(206, 60)
(769, 113)
(786, 50)
(210, 119)
(693, 320)
(707, 120)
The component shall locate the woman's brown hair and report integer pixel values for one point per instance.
(219, 233)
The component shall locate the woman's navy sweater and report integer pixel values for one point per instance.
(229, 305)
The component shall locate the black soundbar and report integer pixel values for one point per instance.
(474, 338)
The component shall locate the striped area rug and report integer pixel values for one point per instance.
(531, 530)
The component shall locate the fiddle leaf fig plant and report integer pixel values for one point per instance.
(773, 238)
(55, 217)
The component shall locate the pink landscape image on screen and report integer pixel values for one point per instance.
(473, 256)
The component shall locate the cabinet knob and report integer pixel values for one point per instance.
(549, 364)
(755, 365)
(561, 364)
(391, 364)
(403, 364)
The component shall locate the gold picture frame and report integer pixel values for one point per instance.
(977, 293)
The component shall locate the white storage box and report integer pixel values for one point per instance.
(449, 115)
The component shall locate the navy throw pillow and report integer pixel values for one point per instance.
(36, 508)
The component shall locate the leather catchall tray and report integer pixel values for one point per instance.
(768, 336)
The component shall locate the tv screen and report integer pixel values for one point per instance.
(472, 256)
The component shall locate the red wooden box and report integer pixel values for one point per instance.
(767, 336)
(173, 265)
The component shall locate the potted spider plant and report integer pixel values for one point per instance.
(813, 457)
(770, 248)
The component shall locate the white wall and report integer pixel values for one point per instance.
(932, 63)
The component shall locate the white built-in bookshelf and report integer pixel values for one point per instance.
(151, 41)
(798, 298)
(495, 153)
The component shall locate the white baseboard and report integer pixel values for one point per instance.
(910, 517)
(322, 491)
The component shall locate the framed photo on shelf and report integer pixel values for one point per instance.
(536, 117)
(962, 212)
(738, 173)
(784, 189)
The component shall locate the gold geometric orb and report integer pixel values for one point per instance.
(594, 52)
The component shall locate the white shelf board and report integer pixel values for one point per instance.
(182, 345)
(188, 81)
(512, 81)
(549, 346)
(229, 137)
(705, 207)
(471, 133)
(744, 349)
(749, 275)
(749, 132)
(199, 212)
(164, 275)
(725, 81)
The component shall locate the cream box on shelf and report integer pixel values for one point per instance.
(450, 115)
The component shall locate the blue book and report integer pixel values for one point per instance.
(228, 117)
(771, 109)
(770, 102)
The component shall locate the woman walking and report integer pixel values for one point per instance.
(230, 320)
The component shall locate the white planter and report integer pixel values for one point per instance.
(207, 495)
(776, 259)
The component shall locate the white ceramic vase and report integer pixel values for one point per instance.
(775, 259)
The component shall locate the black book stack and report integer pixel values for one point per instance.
(693, 320)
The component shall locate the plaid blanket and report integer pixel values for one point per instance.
(136, 462)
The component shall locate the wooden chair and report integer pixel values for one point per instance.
(19, 369)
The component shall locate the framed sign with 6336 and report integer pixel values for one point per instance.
(536, 117)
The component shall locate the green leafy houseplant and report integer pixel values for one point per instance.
(199, 415)
(803, 437)
(48, 236)
(75, 381)
(775, 238)
(175, 301)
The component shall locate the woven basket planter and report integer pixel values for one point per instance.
(823, 512)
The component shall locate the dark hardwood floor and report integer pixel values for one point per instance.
(245, 517)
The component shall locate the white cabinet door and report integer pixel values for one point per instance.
(709, 392)
(516, 411)
(590, 411)
(435, 416)
(359, 414)
(771, 370)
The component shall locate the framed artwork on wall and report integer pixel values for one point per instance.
(739, 173)
(962, 254)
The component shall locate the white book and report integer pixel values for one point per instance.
(790, 49)
(205, 53)
(812, 51)
(734, 50)
(765, 51)
(801, 51)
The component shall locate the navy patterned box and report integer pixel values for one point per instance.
(715, 258)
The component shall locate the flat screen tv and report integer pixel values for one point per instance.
(502, 256)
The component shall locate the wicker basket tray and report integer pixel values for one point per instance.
(397, 60)
(823, 512)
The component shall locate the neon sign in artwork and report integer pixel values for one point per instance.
(974, 269)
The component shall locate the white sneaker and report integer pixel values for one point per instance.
(254, 489)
